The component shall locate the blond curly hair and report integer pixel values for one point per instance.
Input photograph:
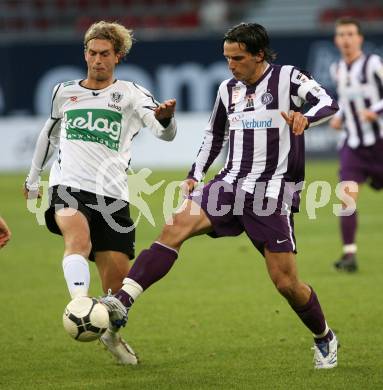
(120, 36)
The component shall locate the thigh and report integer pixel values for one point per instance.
(113, 231)
(274, 232)
(217, 201)
(191, 220)
(61, 198)
(353, 165)
(72, 224)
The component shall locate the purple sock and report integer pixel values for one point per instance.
(125, 298)
(152, 264)
(311, 314)
(348, 228)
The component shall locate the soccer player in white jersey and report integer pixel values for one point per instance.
(93, 122)
(5, 233)
(359, 80)
(259, 112)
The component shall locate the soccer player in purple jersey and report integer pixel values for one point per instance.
(359, 79)
(259, 112)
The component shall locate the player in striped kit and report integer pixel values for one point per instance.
(258, 112)
(359, 80)
(93, 122)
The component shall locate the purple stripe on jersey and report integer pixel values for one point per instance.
(218, 130)
(229, 87)
(312, 100)
(296, 161)
(231, 152)
(272, 153)
(247, 153)
(379, 84)
(272, 87)
(323, 112)
(293, 92)
(218, 127)
(357, 123)
(363, 78)
(374, 124)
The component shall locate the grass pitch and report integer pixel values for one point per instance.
(214, 322)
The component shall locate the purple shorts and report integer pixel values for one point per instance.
(232, 211)
(363, 164)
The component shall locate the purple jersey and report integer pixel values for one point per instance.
(262, 148)
(360, 87)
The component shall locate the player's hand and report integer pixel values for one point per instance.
(31, 193)
(296, 120)
(336, 123)
(369, 116)
(187, 186)
(5, 233)
(165, 110)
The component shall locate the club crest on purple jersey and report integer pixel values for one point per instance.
(266, 98)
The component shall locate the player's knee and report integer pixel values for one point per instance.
(176, 232)
(285, 286)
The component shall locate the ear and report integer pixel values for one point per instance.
(260, 57)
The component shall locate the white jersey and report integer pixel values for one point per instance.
(94, 130)
(360, 87)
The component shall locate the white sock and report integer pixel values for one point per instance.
(77, 276)
(132, 288)
(349, 248)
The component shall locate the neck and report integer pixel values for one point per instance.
(258, 73)
(97, 84)
(350, 58)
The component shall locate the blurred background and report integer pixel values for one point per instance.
(177, 53)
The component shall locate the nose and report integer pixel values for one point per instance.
(231, 64)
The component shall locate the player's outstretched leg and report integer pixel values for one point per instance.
(303, 300)
(325, 341)
(150, 266)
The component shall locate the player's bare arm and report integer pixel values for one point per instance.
(369, 116)
(187, 186)
(31, 193)
(165, 110)
(5, 233)
(296, 120)
(336, 123)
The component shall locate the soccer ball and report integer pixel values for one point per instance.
(85, 319)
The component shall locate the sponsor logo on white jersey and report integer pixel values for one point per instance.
(94, 125)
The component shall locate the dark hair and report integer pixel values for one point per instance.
(254, 36)
(349, 20)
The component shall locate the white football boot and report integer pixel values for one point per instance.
(325, 354)
(118, 314)
(119, 348)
